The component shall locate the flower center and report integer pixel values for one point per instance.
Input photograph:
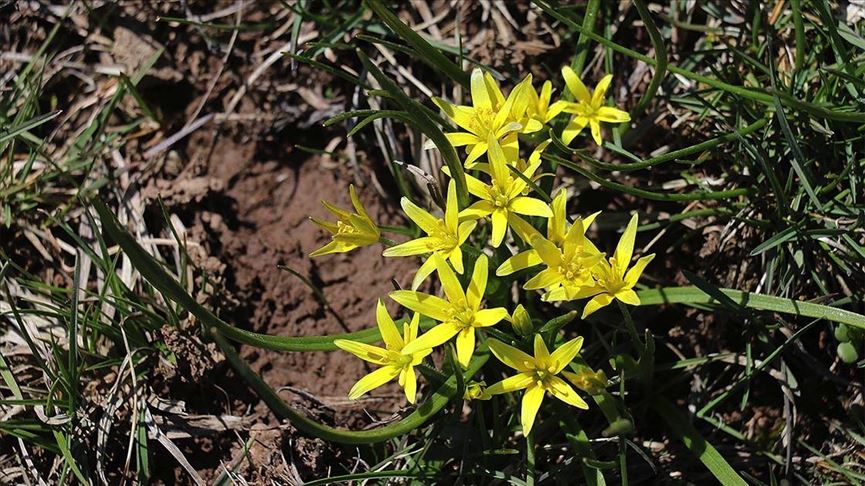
(499, 198)
(573, 269)
(463, 316)
(446, 241)
(482, 122)
(345, 228)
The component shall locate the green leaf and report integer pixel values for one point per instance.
(427, 53)
(708, 455)
(693, 295)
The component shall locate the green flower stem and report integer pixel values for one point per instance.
(530, 459)
(441, 397)
(660, 59)
(632, 330)
(589, 21)
(667, 157)
(652, 195)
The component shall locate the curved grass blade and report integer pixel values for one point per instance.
(427, 53)
(690, 436)
(693, 295)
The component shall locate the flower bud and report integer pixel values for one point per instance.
(521, 321)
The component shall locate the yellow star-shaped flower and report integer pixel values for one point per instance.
(444, 236)
(536, 375)
(460, 314)
(589, 109)
(394, 359)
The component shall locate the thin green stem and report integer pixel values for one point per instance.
(660, 59)
(530, 459)
(589, 21)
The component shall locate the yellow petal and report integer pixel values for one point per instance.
(613, 115)
(545, 96)
(489, 317)
(601, 90)
(428, 305)
(366, 352)
(452, 209)
(547, 278)
(386, 327)
(542, 354)
(418, 246)
(480, 95)
(628, 296)
(575, 126)
(465, 229)
(436, 336)
(373, 380)
(458, 139)
(556, 225)
(520, 261)
(575, 85)
(561, 390)
(634, 273)
(450, 284)
(478, 284)
(597, 302)
(549, 253)
(421, 217)
(625, 247)
(498, 162)
(500, 226)
(476, 187)
(530, 207)
(493, 89)
(423, 272)
(566, 353)
(465, 346)
(477, 150)
(596, 131)
(355, 201)
(511, 356)
(461, 115)
(522, 228)
(511, 384)
(555, 109)
(333, 247)
(479, 209)
(532, 399)
(410, 385)
(456, 259)
(413, 328)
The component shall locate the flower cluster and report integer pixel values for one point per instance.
(572, 268)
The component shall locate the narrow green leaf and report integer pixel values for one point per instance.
(708, 455)
(427, 53)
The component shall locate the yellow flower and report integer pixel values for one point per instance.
(539, 109)
(557, 230)
(503, 199)
(394, 358)
(491, 116)
(350, 231)
(569, 268)
(460, 314)
(588, 109)
(537, 375)
(591, 382)
(611, 279)
(444, 236)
